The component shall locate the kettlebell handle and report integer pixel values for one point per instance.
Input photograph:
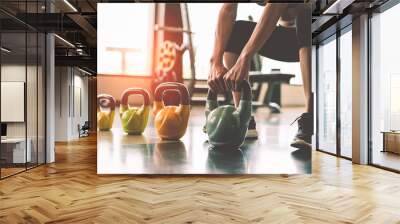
(105, 101)
(246, 92)
(172, 86)
(132, 91)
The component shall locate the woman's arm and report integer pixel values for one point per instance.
(226, 20)
(263, 30)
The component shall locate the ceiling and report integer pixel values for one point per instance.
(75, 23)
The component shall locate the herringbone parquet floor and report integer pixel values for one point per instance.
(70, 191)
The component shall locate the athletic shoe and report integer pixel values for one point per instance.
(302, 140)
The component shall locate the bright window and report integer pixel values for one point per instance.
(203, 20)
(346, 74)
(385, 84)
(124, 41)
(327, 96)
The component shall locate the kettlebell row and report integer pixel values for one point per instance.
(226, 126)
(170, 121)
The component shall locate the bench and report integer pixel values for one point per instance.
(272, 97)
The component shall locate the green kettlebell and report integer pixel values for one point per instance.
(227, 125)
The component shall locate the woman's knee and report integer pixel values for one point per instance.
(230, 59)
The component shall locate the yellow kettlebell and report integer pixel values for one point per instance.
(105, 119)
(134, 119)
(171, 121)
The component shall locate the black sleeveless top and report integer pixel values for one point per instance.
(292, 12)
(264, 2)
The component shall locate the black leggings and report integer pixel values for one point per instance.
(283, 44)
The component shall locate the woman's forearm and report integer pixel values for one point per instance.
(264, 28)
(226, 20)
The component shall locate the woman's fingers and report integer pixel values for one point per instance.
(232, 81)
(211, 84)
(216, 79)
(216, 85)
(220, 83)
(226, 80)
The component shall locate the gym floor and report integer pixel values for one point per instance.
(118, 153)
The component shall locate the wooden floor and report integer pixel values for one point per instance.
(386, 159)
(70, 191)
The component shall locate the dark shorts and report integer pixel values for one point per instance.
(283, 44)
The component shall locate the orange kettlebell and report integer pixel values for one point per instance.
(171, 121)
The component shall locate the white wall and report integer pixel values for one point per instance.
(16, 73)
(79, 117)
(33, 126)
(70, 83)
(12, 73)
(61, 103)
